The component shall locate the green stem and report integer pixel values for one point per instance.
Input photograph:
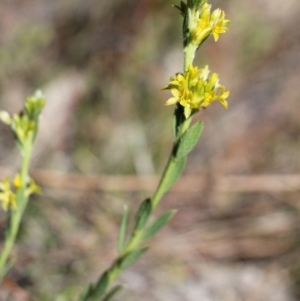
(158, 194)
(21, 198)
(16, 215)
(160, 190)
(189, 54)
(135, 241)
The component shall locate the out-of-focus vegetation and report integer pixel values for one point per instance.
(101, 65)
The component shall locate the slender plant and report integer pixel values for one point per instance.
(192, 90)
(14, 193)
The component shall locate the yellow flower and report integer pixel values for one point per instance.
(7, 197)
(32, 188)
(203, 29)
(195, 90)
(219, 23)
(17, 181)
(208, 23)
(222, 97)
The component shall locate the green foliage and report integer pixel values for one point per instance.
(112, 293)
(34, 105)
(182, 8)
(87, 292)
(131, 257)
(174, 173)
(186, 28)
(101, 286)
(159, 223)
(189, 139)
(123, 230)
(25, 124)
(196, 4)
(143, 215)
(178, 120)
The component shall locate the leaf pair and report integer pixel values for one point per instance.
(88, 293)
(141, 220)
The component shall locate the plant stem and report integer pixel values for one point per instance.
(189, 54)
(16, 215)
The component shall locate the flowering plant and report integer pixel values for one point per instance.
(24, 127)
(192, 90)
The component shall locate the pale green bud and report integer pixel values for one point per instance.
(5, 117)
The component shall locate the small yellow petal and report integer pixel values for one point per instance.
(224, 103)
(175, 92)
(171, 101)
(216, 36)
(17, 181)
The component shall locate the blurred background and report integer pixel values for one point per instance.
(105, 136)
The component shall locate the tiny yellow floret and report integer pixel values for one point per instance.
(7, 197)
(17, 181)
(33, 188)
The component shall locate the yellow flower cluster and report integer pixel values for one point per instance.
(196, 89)
(208, 23)
(8, 195)
(24, 125)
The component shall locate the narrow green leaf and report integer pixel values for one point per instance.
(174, 127)
(86, 293)
(190, 3)
(174, 173)
(186, 31)
(143, 214)
(158, 224)
(112, 292)
(101, 286)
(131, 257)
(189, 139)
(123, 230)
(182, 8)
(198, 3)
